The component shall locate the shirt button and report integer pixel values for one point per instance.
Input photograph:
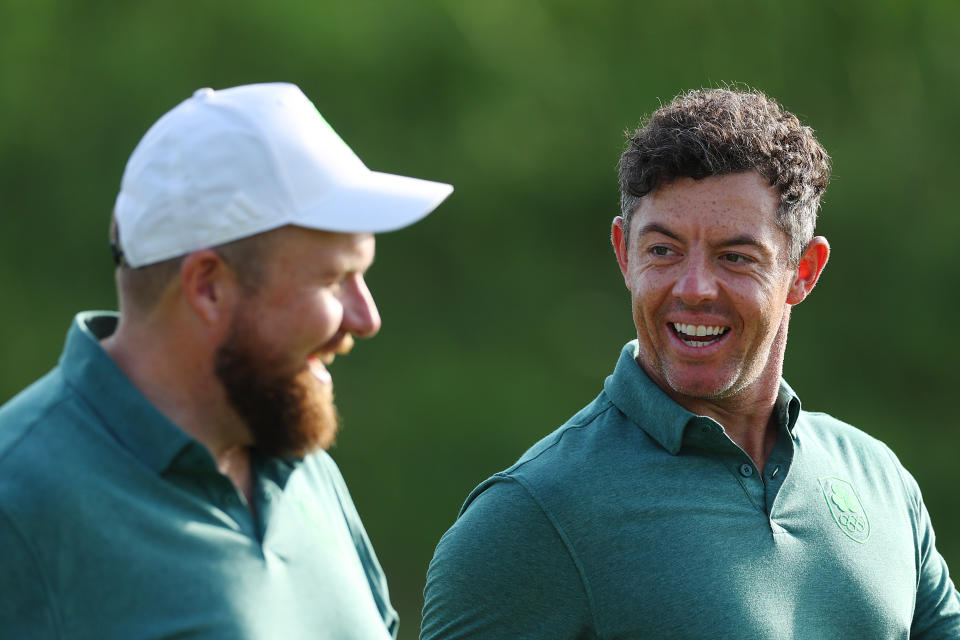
(746, 470)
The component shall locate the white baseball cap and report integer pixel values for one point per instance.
(224, 165)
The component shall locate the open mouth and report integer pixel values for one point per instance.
(698, 335)
(318, 367)
(319, 360)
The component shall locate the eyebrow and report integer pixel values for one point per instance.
(740, 240)
(653, 227)
(743, 240)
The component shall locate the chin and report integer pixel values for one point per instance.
(703, 387)
(313, 421)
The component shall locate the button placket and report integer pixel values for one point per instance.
(749, 479)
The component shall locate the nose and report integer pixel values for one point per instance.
(696, 283)
(360, 315)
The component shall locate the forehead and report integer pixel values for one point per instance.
(310, 250)
(734, 203)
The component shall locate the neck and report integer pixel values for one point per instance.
(175, 374)
(235, 464)
(750, 424)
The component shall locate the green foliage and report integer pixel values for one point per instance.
(504, 311)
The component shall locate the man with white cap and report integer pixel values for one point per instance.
(169, 477)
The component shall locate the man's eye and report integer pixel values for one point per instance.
(660, 250)
(736, 258)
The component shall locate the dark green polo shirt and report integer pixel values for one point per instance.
(114, 523)
(638, 519)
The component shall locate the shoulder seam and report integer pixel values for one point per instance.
(570, 551)
(915, 498)
(31, 424)
(915, 502)
(565, 429)
(899, 468)
(48, 590)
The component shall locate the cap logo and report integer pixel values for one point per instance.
(846, 508)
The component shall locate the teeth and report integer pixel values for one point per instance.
(698, 330)
(319, 371)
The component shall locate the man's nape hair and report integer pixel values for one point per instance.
(140, 288)
(715, 132)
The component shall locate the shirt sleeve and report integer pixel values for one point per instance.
(937, 610)
(504, 571)
(25, 610)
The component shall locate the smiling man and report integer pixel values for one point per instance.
(168, 479)
(694, 498)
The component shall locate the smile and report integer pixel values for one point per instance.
(698, 335)
(317, 363)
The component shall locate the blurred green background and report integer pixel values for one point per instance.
(504, 311)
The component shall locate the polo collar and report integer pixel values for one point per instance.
(646, 405)
(788, 407)
(123, 410)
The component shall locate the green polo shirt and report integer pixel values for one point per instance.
(114, 523)
(638, 519)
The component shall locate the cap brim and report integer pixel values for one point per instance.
(377, 203)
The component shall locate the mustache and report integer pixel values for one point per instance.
(344, 345)
(340, 344)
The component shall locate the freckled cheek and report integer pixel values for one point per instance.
(761, 317)
(649, 292)
(647, 312)
(747, 292)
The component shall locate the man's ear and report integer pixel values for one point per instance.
(209, 286)
(812, 262)
(619, 238)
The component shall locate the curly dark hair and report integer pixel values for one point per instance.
(712, 132)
